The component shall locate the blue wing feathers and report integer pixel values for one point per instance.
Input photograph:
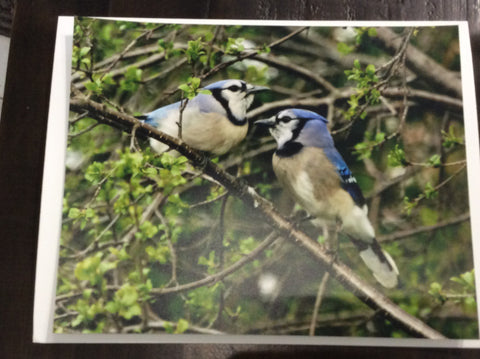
(156, 116)
(348, 181)
(202, 103)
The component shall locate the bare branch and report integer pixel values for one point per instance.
(128, 47)
(345, 93)
(214, 278)
(163, 324)
(302, 71)
(85, 130)
(249, 54)
(414, 231)
(318, 303)
(423, 64)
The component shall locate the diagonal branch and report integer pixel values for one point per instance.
(423, 64)
(250, 54)
(364, 291)
(422, 229)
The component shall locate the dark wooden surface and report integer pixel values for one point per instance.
(6, 16)
(22, 136)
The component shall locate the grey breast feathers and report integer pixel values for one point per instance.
(312, 180)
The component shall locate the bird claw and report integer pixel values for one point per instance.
(202, 163)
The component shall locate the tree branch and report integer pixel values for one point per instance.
(249, 54)
(422, 63)
(422, 229)
(298, 70)
(364, 291)
(342, 94)
(318, 303)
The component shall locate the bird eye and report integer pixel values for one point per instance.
(286, 119)
(234, 88)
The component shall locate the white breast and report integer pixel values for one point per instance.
(210, 132)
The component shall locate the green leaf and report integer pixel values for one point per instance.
(434, 161)
(88, 269)
(112, 307)
(194, 50)
(344, 48)
(74, 213)
(169, 327)
(182, 326)
(87, 293)
(429, 191)
(380, 137)
(370, 70)
(184, 87)
(78, 320)
(436, 292)
(120, 254)
(131, 311)
(95, 87)
(409, 205)
(205, 92)
(450, 139)
(127, 295)
(396, 157)
(234, 46)
(84, 51)
(265, 49)
(466, 279)
(131, 80)
(95, 172)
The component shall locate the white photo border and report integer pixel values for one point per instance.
(54, 176)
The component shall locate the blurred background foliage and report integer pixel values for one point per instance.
(137, 226)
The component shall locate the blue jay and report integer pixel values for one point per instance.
(309, 166)
(212, 123)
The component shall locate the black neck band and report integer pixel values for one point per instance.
(217, 94)
(289, 149)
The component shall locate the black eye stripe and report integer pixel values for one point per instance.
(234, 88)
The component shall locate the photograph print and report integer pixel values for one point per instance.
(247, 179)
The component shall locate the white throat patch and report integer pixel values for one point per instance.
(239, 104)
(283, 132)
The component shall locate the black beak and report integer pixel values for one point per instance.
(256, 89)
(266, 123)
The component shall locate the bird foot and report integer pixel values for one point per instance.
(202, 163)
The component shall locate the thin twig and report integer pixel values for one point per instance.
(249, 54)
(198, 204)
(209, 280)
(128, 47)
(318, 303)
(297, 70)
(173, 254)
(423, 229)
(78, 118)
(214, 278)
(85, 130)
(221, 259)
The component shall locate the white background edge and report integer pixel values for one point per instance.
(472, 148)
(53, 183)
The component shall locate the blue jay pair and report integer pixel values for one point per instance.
(305, 162)
(309, 166)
